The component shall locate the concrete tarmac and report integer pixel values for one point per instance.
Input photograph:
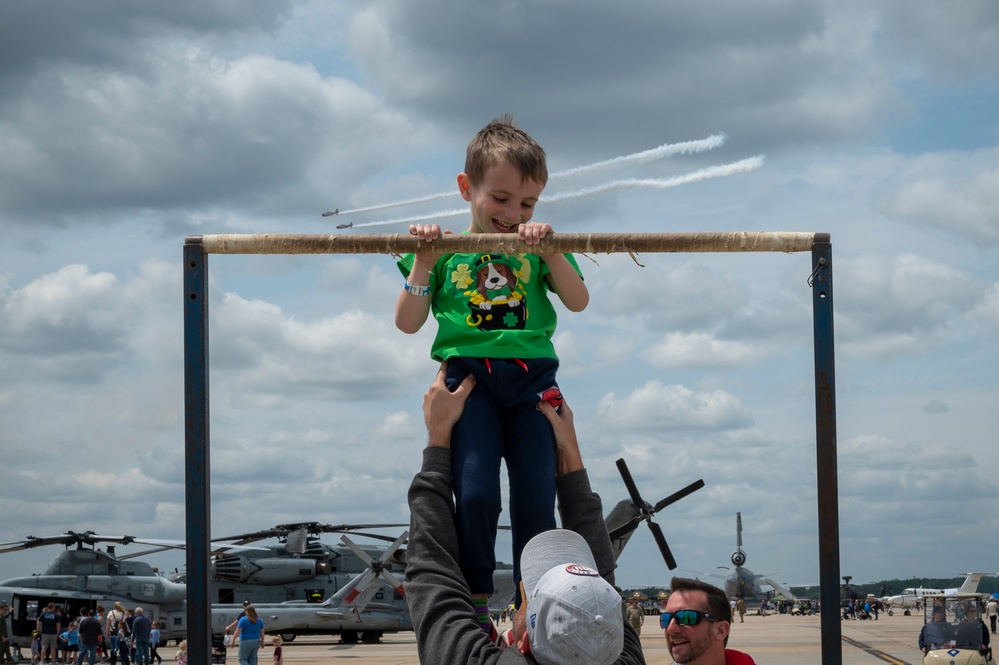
(771, 640)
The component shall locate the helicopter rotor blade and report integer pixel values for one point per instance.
(643, 510)
(391, 549)
(358, 552)
(629, 482)
(657, 533)
(78, 538)
(311, 528)
(391, 579)
(676, 496)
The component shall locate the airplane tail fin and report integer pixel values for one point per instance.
(971, 582)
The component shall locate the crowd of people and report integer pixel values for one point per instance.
(122, 636)
(95, 635)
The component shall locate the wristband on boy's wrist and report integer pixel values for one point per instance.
(417, 289)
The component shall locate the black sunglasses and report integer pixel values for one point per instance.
(685, 618)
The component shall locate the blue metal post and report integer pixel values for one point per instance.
(825, 448)
(196, 452)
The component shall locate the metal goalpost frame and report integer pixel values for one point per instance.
(197, 397)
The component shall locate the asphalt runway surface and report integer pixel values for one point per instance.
(772, 640)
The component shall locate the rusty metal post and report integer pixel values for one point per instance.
(825, 448)
(196, 453)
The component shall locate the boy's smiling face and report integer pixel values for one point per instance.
(502, 201)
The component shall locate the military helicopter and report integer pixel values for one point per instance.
(301, 569)
(86, 576)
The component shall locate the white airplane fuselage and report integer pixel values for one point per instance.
(910, 597)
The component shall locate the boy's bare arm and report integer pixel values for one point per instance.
(411, 310)
(566, 282)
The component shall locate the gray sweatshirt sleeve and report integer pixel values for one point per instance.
(440, 603)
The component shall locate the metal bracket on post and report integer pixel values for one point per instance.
(825, 448)
(196, 452)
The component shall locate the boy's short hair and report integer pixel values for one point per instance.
(502, 141)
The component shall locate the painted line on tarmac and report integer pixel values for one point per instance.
(881, 655)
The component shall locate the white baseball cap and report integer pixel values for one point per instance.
(573, 614)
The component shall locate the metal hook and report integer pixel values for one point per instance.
(818, 267)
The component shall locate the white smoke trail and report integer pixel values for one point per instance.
(742, 166)
(397, 204)
(666, 150)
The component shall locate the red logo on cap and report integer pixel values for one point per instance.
(579, 569)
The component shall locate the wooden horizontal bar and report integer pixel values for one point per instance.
(505, 243)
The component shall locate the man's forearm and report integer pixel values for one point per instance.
(582, 511)
(439, 600)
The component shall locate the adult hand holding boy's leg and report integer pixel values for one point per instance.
(442, 408)
(567, 455)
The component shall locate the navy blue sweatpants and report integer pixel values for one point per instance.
(501, 421)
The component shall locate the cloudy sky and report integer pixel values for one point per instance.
(127, 126)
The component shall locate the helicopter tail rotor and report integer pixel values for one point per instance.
(366, 588)
(645, 511)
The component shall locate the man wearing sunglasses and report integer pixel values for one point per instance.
(571, 613)
(697, 621)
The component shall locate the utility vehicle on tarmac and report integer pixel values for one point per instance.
(953, 632)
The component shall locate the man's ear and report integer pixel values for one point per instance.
(464, 186)
(724, 628)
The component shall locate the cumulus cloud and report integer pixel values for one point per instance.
(878, 488)
(200, 131)
(700, 350)
(67, 312)
(956, 195)
(901, 305)
(740, 78)
(690, 296)
(350, 356)
(986, 311)
(655, 406)
(936, 406)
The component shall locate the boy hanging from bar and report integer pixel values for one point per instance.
(495, 322)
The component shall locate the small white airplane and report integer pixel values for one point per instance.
(910, 597)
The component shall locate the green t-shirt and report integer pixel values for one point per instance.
(491, 306)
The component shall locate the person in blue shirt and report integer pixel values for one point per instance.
(250, 632)
(154, 643)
